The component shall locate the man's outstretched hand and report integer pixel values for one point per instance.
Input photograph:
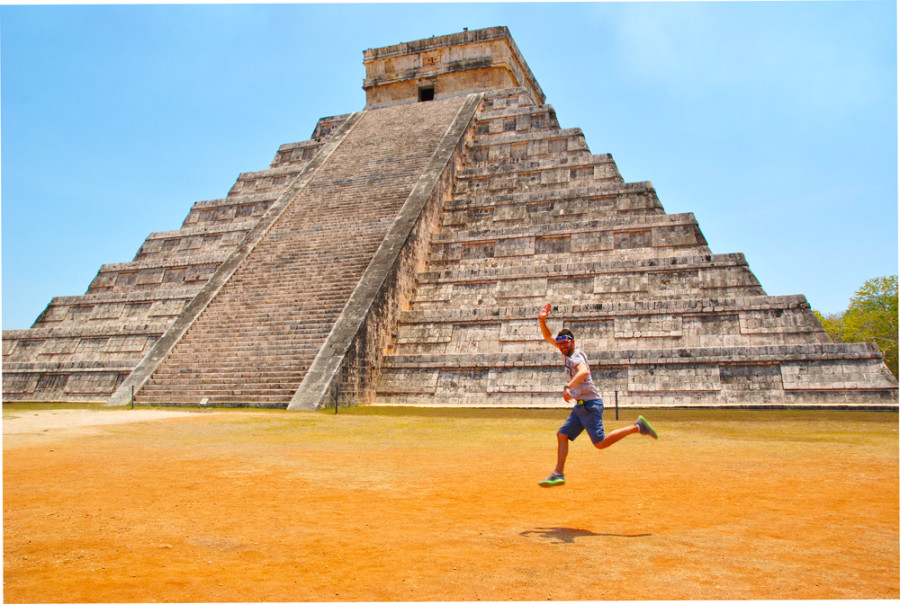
(545, 312)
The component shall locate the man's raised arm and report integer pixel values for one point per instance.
(542, 317)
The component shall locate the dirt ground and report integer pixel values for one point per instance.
(243, 506)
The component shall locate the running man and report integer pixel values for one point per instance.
(587, 414)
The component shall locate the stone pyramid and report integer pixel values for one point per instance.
(400, 257)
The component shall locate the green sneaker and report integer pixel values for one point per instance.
(554, 480)
(644, 427)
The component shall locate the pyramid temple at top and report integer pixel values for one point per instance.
(400, 256)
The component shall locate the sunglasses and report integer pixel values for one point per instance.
(563, 338)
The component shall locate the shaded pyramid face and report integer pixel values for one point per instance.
(401, 255)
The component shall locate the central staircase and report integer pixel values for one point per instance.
(256, 340)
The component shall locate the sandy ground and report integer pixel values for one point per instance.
(59, 421)
(170, 506)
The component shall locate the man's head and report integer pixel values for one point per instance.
(565, 339)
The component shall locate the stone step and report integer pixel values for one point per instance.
(713, 326)
(590, 282)
(473, 258)
(277, 178)
(246, 397)
(233, 202)
(609, 310)
(590, 192)
(498, 100)
(548, 171)
(237, 401)
(197, 230)
(244, 324)
(492, 113)
(86, 330)
(741, 376)
(165, 263)
(610, 224)
(587, 268)
(233, 364)
(217, 393)
(299, 153)
(157, 305)
(268, 350)
(653, 232)
(174, 292)
(87, 352)
(553, 180)
(190, 239)
(297, 323)
(560, 146)
(569, 249)
(548, 207)
(563, 136)
(777, 354)
(267, 344)
(729, 355)
(284, 384)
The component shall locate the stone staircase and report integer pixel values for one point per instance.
(82, 347)
(258, 337)
(536, 218)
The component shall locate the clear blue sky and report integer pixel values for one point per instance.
(774, 122)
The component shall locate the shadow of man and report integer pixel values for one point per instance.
(563, 534)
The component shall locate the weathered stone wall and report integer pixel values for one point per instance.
(469, 61)
(536, 218)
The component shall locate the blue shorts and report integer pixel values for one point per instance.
(588, 416)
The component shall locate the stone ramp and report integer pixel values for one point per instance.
(260, 333)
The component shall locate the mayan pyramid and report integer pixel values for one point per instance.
(400, 257)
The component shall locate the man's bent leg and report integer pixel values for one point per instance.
(615, 436)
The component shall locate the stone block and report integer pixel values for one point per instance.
(91, 383)
(519, 246)
(680, 378)
(413, 334)
(592, 242)
(520, 288)
(474, 339)
(408, 381)
(462, 383)
(621, 284)
(653, 326)
(673, 284)
(553, 177)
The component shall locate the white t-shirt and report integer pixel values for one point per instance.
(586, 390)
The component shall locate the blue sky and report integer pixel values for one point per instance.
(774, 122)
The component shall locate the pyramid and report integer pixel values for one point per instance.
(400, 257)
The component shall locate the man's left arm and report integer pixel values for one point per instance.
(581, 372)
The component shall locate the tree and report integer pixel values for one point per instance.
(871, 317)
(833, 324)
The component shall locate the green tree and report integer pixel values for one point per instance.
(871, 317)
(833, 324)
